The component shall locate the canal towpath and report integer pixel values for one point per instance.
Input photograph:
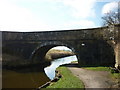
(92, 79)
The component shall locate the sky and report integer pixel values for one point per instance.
(62, 48)
(52, 15)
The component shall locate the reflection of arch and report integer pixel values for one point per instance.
(41, 50)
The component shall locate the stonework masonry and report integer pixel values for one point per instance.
(26, 48)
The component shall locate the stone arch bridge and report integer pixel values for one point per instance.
(21, 49)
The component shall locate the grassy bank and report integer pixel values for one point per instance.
(98, 68)
(55, 54)
(112, 74)
(68, 80)
(116, 76)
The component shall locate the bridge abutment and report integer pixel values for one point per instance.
(115, 43)
(117, 55)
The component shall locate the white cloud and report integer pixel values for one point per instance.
(17, 18)
(107, 0)
(79, 8)
(14, 18)
(79, 24)
(109, 7)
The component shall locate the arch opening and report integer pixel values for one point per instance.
(59, 55)
(58, 52)
(39, 54)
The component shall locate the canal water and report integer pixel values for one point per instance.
(50, 70)
(15, 79)
(34, 78)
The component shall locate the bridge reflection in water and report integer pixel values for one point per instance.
(24, 78)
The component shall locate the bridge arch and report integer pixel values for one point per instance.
(93, 53)
(38, 55)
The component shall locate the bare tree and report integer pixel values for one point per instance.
(112, 17)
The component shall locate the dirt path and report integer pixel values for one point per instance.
(92, 79)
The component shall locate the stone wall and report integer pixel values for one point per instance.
(117, 55)
(117, 47)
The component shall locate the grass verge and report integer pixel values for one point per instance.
(68, 80)
(98, 68)
(115, 76)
